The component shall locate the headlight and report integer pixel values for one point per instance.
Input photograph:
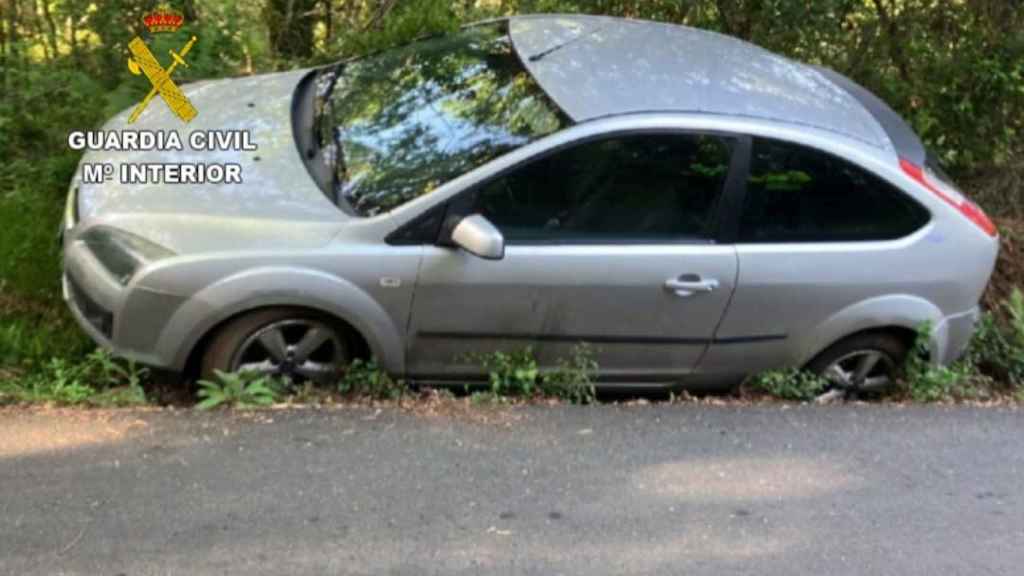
(122, 253)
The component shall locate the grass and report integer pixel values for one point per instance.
(97, 379)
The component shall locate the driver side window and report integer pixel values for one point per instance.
(635, 188)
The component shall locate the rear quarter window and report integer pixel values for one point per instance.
(799, 194)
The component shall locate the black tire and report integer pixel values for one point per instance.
(892, 350)
(224, 349)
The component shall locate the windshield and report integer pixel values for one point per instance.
(400, 123)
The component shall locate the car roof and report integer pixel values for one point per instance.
(594, 66)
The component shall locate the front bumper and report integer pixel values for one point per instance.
(127, 320)
(92, 295)
(97, 321)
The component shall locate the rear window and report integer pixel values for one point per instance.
(799, 194)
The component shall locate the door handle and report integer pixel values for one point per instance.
(689, 284)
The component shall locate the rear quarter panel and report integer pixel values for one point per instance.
(817, 294)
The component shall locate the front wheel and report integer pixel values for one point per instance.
(293, 344)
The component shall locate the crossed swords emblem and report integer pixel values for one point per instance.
(142, 61)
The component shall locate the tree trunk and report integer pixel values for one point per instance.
(73, 31)
(290, 23)
(328, 22)
(189, 11)
(377, 20)
(12, 27)
(3, 50)
(12, 55)
(51, 25)
(37, 30)
(891, 30)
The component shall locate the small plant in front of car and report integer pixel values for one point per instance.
(238, 390)
(367, 378)
(573, 379)
(516, 374)
(996, 351)
(1015, 308)
(790, 384)
(512, 374)
(928, 382)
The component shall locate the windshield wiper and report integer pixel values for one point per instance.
(322, 89)
(325, 145)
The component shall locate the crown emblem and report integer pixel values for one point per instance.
(163, 19)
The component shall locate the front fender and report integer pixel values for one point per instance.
(281, 286)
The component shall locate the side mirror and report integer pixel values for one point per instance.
(476, 235)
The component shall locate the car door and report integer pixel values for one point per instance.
(610, 241)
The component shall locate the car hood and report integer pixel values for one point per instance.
(276, 193)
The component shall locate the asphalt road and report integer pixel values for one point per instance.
(684, 489)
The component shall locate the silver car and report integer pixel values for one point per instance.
(694, 207)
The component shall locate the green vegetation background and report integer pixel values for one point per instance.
(954, 68)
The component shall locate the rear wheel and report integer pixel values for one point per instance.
(861, 363)
(294, 344)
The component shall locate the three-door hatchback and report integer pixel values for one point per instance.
(694, 207)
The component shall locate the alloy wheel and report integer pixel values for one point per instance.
(860, 371)
(294, 349)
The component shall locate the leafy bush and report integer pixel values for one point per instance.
(790, 384)
(238, 390)
(997, 349)
(516, 374)
(924, 381)
(511, 373)
(573, 378)
(928, 383)
(1015, 308)
(996, 355)
(366, 378)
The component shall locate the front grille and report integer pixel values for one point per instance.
(95, 314)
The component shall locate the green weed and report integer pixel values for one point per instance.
(789, 384)
(29, 339)
(98, 379)
(511, 373)
(516, 374)
(997, 353)
(238, 390)
(924, 381)
(366, 378)
(573, 378)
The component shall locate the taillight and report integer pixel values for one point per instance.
(969, 209)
